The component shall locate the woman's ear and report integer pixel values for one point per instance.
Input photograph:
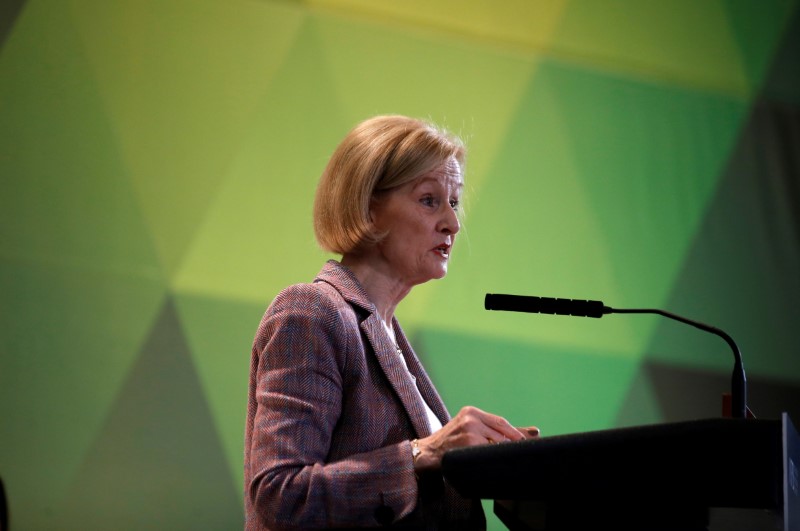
(377, 220)
(374, 207)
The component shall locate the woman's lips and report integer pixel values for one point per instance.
(442, 250)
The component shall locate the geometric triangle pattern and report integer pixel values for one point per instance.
(681, 43)
(158, 162)
(10, 12)
(526, 379)
(753, 222)
(173, 472)
(68, 337)
(160, 67)
(217, 332)
(691, 393)
(258, 195)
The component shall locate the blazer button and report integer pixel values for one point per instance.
(384, 515)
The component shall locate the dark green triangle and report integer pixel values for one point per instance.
(220, 334)
(648, 159)
(67, 339)
(158, 462)
(686, 393)
(757, 28)
(641, 405)
(782, 84)
(9, 11)
(741, 272)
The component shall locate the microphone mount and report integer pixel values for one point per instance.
(596, 309)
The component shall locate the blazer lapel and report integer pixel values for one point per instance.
(396, 373)
(424, 383)
(346, 283)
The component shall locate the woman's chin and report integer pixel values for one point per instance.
(440, 273)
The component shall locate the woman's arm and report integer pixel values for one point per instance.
(297, 389)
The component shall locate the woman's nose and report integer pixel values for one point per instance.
(450, 223)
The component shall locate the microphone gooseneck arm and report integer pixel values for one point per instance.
(738, 378)
(588, 308)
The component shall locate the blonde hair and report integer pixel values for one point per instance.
(378, 155)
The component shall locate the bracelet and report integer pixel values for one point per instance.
(415, 451)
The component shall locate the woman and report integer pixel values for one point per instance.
(344, 427)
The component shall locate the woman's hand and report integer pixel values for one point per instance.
(469, 428)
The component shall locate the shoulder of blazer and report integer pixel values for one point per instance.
(304, 317)
(347, 285)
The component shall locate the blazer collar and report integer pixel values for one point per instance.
(351, 290)
(347, 284)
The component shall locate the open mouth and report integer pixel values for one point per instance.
(443, 250)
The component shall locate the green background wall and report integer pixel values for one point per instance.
(158, 160)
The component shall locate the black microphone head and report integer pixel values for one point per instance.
(548, 305)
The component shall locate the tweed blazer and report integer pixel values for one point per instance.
(330, 417)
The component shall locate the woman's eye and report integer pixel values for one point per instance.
(454, 204)
(428, 201)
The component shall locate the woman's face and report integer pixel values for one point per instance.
(421, 221)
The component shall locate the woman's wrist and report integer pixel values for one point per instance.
(415, 452)
(423, 456)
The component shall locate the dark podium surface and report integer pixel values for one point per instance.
(664, 476)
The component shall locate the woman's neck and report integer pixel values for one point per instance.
(384, 290)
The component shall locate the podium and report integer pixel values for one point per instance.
(708, 474)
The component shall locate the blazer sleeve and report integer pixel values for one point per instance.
(299, 356)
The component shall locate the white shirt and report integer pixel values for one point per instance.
(434, 424)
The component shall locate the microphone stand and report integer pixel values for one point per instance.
(738, 380)
(590, 308)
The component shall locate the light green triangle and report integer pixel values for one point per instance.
(181, 82)
(512, 23)
(530, 231)
(559, 389)
(468, 88)
(257, 236)
(681, 42)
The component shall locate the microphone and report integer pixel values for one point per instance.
(521, 303)
(587, 308)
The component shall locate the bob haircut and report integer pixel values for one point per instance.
(377, 156)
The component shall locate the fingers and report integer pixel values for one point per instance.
(483, 427)
(470, 427)
(531, 432)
